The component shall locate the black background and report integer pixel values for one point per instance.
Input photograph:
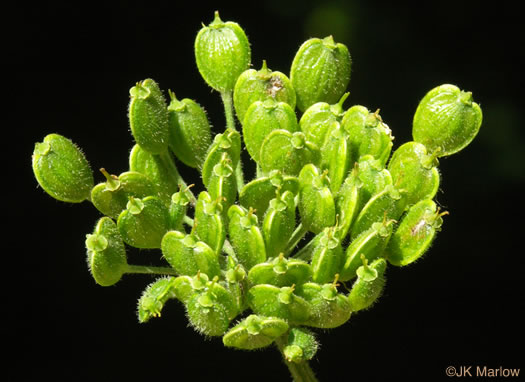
(68, 70)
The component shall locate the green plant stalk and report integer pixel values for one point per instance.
(142, 269)
(301, 371)
(227, 100)
(297, 236)
(170, 164)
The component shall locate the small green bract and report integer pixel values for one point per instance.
(233, 250)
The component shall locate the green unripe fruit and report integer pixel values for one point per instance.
(106, 253)
(385, 205)
(300, 345)
(178, 208)
(320, 72)
(373, 176)
(329, 308)
(336, 156)
(317, 120)
(246, 237)
(415, 233)
(258, 193)
(62, 170)
(279, 223)
(236, 282)
(287, 152)
(261, 119)
(327, 257)
(112, 196)
(211, 309)
(370, 243)
(369, 284)
(255, 332)
(446, 120)
(188, 255)
(368, 134)
(222, 184)
(144, 222)
(207, 316)
(154, 297)
(209, 224)
(414, 171)
(348, 202)
(228, 142)
(261, 85)
(148, 116)
(269, 300)
(189, 131)
(162, 173)
(222, 53)
(280, 272)
(316, 202)
(183, 287)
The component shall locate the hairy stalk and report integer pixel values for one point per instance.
(297, 236)
(174, 172)
(150, 270)
(227, 100)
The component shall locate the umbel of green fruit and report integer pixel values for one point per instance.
(257, 259)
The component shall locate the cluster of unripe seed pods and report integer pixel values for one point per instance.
(330, 202)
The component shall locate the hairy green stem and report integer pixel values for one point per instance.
(300, 371)
(189, 221)
(143, 269)
(305, 253)
(227, 100)
(297, 236)
(168, 161)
